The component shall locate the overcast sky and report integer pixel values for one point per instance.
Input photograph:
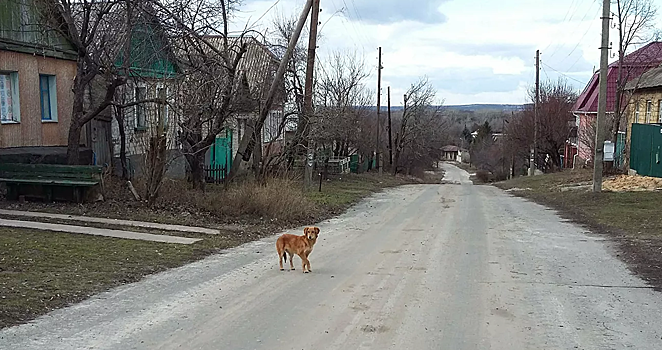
(473, 51)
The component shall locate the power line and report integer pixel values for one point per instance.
(264, 14)
(577, 28)
(580, 40)
(565, 75)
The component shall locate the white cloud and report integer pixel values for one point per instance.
(471, 49)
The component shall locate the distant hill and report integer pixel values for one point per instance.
(472, 108)
(486, 107)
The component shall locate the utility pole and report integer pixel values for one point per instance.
(379, 110)
(602, 99)
(534, 166)
(308, 110)
(390, 133)
(248, 140)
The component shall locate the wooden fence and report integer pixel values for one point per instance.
(215, 174)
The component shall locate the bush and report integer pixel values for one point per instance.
(483, 176)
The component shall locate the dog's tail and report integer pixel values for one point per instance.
(285, 256)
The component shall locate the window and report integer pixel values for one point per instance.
(649, 111)
(636, 112)
(141, 111)
(659, 111)
(9, 104)
(48, 97)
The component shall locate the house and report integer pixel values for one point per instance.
(454, 153)
(153, 74)
(256, 72)
(37, 70)
(644, 117)
(451, 153)
(586, 108)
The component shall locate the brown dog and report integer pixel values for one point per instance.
(299, 245)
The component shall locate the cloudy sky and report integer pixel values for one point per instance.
(473, 51)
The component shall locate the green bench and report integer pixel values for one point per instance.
(25, 179)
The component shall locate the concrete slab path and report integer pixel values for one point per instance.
(97, 231)
(153, 225)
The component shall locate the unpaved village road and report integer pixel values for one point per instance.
(419, 267)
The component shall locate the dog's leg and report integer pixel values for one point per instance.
(308, 262)
(281, 255)
(305, 262)
(292, 262)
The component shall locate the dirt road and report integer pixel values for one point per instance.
(418, 267)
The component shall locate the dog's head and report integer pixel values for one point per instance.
(311, 232)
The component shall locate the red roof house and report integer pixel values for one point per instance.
(586, 107)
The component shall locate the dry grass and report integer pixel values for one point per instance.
(277, 199)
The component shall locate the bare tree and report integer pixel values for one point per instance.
(212, 90)
(343, 98)
(635, 21)
(554, 124)
(422, 126)
(85, 24)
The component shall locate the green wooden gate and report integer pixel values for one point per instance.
(221, 156)
(645, 149)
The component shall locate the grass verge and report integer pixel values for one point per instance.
(631, 219)
(41, 271)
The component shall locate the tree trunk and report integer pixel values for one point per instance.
(73, 146)
(156, 163)
(257, 155)
(197, 176)
(119, 117)
(396, 156)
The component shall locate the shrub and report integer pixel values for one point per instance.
(483, 176)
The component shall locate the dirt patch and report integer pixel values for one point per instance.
(626, 183)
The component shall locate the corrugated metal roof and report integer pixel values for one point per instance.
(635, 64)
(258, 64)
(650, 79)
(22, 29)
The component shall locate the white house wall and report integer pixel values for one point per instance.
(138, 140)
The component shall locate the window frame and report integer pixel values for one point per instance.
(51, 93)
(14, 98)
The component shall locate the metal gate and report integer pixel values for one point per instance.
(645, 149)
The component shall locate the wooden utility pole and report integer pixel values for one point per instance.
(390, 133)
(248, 141)
(308, 110)
(602, 99)
(379, 110)
(534, 166)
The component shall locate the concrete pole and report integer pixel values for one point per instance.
(602, 99)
